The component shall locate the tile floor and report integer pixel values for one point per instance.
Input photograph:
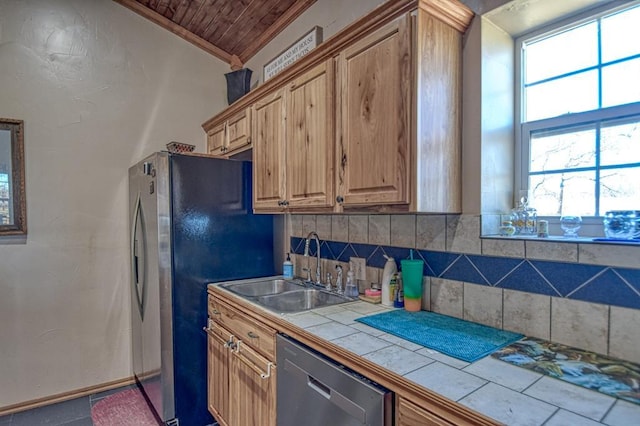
(75, 412)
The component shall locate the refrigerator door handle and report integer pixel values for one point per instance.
(139, 280)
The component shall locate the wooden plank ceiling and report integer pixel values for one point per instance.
(231, 30)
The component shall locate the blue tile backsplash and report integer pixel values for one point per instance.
(591, 283)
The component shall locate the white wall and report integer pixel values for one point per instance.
(98, 88)
(331, 15)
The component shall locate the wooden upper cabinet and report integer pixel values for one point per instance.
(239, 131)
(437, 159)
(309, 145)
(216, 138)
(231, 136)
(268, 151)
(293, 146)
(374, 140)
(367, 121)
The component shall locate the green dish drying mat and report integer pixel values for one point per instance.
(458, 338)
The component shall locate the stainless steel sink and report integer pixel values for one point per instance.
(261, 287)
(301, 300)
(283, 296)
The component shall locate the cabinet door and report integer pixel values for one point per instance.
(252, 388)
(239, 131)
(373, 150)
(268, 153)
(218, 373)
(409, 414)
(310, 134)
(216, 139)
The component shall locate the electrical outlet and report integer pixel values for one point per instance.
(359, 267)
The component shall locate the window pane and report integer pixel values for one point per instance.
(571, 50)
(563, 151)
(620, 144)
(4, 199)
(619, 189)
(620, 35)
(621, 83)
(576, 93)
(558, 193)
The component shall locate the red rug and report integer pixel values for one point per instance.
(126, 408)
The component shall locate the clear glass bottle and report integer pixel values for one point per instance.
(525, 218)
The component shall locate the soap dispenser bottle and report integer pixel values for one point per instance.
(287, 268)
(390, 269)
(351, 290)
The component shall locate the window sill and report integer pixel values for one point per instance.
(561, 239)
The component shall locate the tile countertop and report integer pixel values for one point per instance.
(506, 393)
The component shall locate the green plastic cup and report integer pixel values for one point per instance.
(412, 283)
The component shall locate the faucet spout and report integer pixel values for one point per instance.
(314, 235)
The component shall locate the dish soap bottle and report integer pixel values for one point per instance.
(390, 269)
(287, 268)
(350, 289)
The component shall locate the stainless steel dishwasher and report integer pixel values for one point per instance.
(314, 390)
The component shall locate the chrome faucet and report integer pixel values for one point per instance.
(314, 235)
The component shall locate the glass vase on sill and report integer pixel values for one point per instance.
(570, 224)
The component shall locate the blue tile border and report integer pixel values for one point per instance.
(591, 283)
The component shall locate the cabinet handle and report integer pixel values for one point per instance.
(215, 312)
(251, 365)
(209, 330)
(285, 203)
(252, 335)
(340, 199)
(249, 140)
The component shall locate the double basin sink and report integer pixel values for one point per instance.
(283, 295)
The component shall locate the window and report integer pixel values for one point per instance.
(5, 212)
(580, 114)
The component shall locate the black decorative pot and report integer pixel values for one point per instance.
(238, 84)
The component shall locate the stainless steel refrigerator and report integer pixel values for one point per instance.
(191, 223)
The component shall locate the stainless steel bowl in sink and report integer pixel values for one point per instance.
(283, 295)
(262, 287)
(300, 300)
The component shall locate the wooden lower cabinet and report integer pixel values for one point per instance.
(253, 396)
(241, 375)
(218, 375)
(411, 414)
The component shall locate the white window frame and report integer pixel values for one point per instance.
(592, 225)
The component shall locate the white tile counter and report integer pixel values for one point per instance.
(509, 394)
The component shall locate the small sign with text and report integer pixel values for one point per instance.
(294, 52)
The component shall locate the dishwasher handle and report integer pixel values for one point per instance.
(332, 395)
(319, 387)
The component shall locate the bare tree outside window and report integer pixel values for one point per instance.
(580, 126)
